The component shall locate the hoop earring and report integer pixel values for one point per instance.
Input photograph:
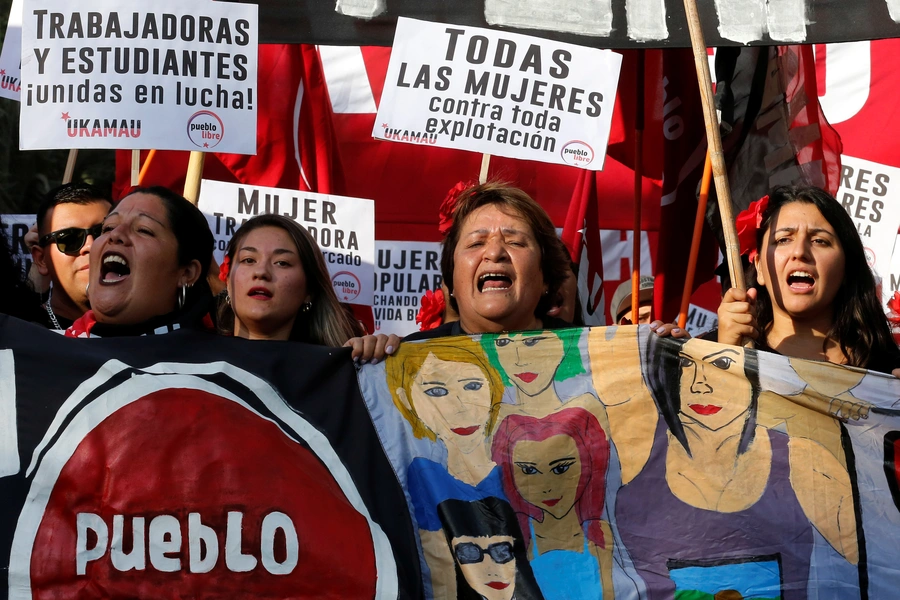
(182, 298)
(306, 306)
(227, 298)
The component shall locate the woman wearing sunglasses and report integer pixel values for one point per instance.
(147, 267)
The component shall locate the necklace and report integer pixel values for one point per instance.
(49, 310)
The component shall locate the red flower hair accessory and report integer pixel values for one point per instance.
(449, 203)
(431, 313)
(894, 307)
(224, 268)
(748, 223)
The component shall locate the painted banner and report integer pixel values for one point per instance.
(404, 271)
(601, 23)
(344, 228)
(11, 54)
(15, 227)
(498, 93)
(613, 463)
(179, 76)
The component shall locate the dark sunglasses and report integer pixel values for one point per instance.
(468, 553)
(71, 239)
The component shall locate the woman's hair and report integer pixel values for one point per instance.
(662, 371)
(326, 323)
(485, 518)
(191, 231)
(859, 327)
(554, 258)
(570, 366)
(403, 366)
(593, 452)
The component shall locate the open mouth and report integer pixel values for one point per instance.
(114, 268)
(260, 293)
(551, 503)
(465, 430)
(494, 282)
(498, 585)
(801, 281)
(705, 409)
(527, 377)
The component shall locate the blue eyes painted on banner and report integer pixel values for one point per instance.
(473, 386)
(436, 392)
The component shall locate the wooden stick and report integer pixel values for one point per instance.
(146, 166)
(485, 163)
(638, 192)
(695, 243)
(135, 166)
(720, 176)
(70, 166)
(194, 175)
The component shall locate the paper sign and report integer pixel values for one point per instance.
(871, 194)
(404, 271)
(344, 228)
(119, 74)
(10, 56)
(498, 93)
(700, 320)
(14, 228)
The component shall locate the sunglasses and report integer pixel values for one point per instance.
(468, 553)
(71, 239)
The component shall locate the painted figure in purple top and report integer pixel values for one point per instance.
(708, 490)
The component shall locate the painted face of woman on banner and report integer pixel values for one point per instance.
(530, 361)
(488, 564)
(453, 399)
(714, 391)
(547, 473)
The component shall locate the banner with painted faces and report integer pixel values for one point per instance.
(613, 463)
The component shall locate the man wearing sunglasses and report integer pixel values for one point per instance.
(68, 220)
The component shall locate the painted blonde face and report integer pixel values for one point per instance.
(714, 390)
(547, 473)
(453, 399)
(530, 361)
(488, 564)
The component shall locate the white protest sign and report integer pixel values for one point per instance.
(11, 55)
(498, 93)
(871, 194)
(404, 271)
(119, 74)
(344, 228)
(890, 281)
(15, 227)
(700, 320)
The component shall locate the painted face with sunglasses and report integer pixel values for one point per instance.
(488, 564)
(67, 233)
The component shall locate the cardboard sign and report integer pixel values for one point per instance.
(871, 194)
(404, 271)
(10, 56)
(179, 76)
(498, 93)
(15, 227)
(344, 228)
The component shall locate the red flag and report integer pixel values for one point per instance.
(581, 235)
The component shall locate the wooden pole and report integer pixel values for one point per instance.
(485, 163)
(70, 166)
(695, 243)
(135, 167)
(194, 175)
(717, 156)
(638, 191)
(146, 167)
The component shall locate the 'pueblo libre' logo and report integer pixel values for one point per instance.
(91, 128)
(205, 129)
(346, 285)
(577, 154)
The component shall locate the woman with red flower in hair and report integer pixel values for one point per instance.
(814, 296)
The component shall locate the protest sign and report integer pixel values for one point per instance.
(179, 76)
(15, 227)
(344, 228)
(11, 55)
(404, 271)
(871, 194)
(700, 320)
(498, 93)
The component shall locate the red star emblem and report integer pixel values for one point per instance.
(65, 116)
(206, 144)
(2, 71)
(384, 125)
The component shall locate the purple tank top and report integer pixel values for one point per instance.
(665, 536)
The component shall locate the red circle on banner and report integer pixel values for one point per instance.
(183, 453)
